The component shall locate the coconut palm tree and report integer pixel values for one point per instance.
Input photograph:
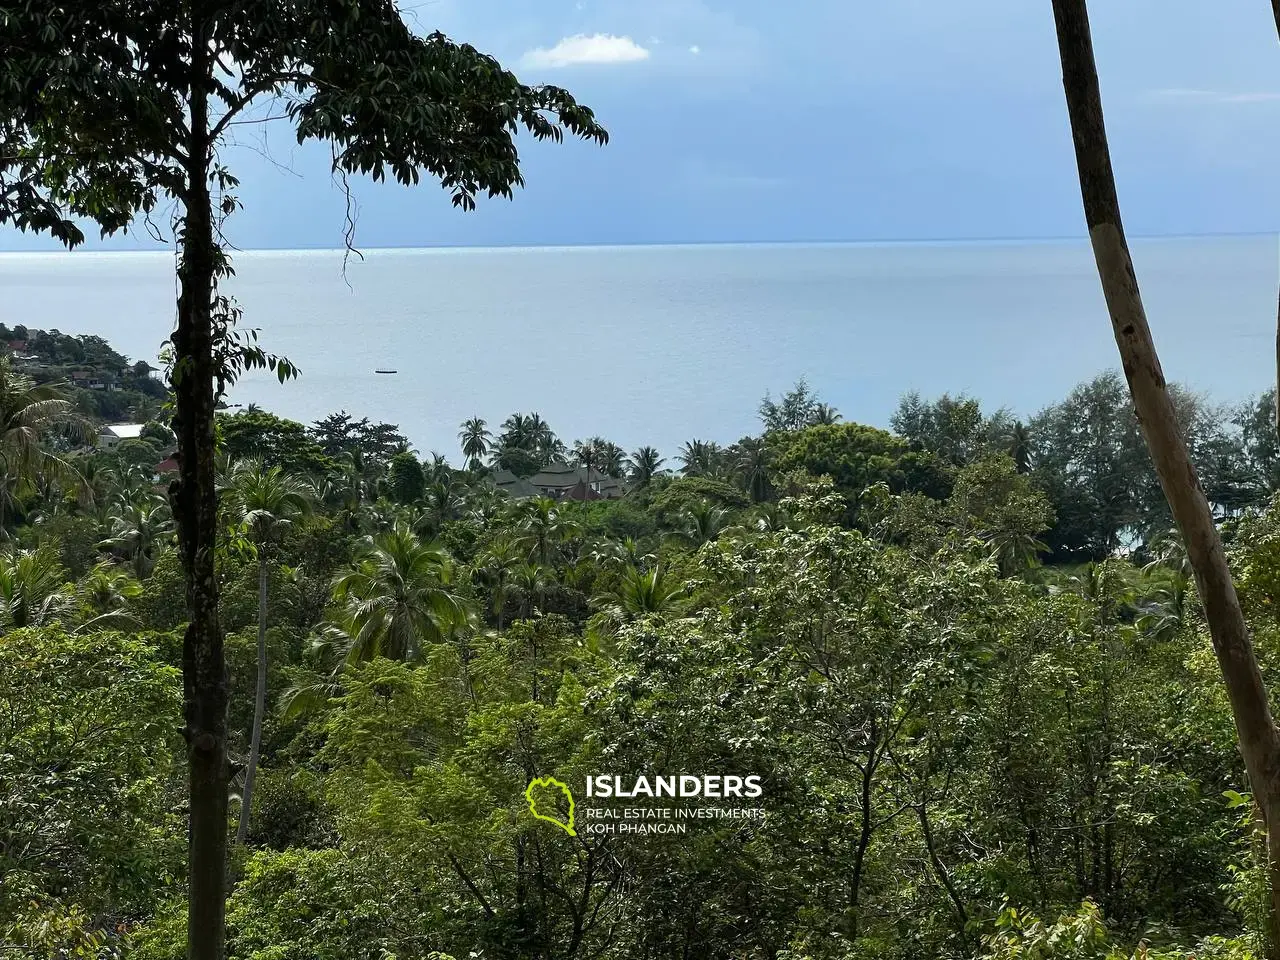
(643, 592)
(751, 463)
(703, 522)
(613, 459)
(517, 431)
(494, 571)
(588, 453)
(267, 500)
(476, 440)
(1168, 608)
(530, 581)
(541, 527)
(619, 554)
(398, 597)
(107, 589)
(442, 504)
(1020, 447)
(824, 415)
(699, 458)
(140, 530)
(27, 413)
(645, 464)
(32, 590)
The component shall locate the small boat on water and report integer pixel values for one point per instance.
(384, 371)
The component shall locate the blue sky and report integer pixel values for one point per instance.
(745, 120)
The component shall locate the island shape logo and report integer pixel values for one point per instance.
(550, 783)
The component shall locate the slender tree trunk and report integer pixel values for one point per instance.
(259, 701)
(944, 877)
(1250, 706)
(194, 500)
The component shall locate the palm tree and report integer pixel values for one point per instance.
(476, 440)
(139, 530)
(530, 581)
(1168, 608)
(443, 504)
(824, 415)
(1020, 447)
(699, 458)
(398, 597)
(645, 464)
(641, 593)
(703, 522)
(27, 412)
(107, 589)
(752, 466)
(613, 459)
(619, 553)
(541, 527)
(268, 500)
(588, 453)
(494, 570)
(545, 442)
(31, 588)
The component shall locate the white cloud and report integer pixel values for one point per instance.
(1178, 95)
(597, 48)
(695, 49)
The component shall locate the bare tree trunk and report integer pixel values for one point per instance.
(195, 507)
(1250, 706)
(259, 701)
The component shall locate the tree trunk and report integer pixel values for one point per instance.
(1250, 706)
(259, 701)
(194, 500)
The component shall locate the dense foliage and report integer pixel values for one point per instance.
(965, 658)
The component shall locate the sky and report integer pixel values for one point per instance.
(746, 120)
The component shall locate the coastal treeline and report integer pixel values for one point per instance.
(964, 656)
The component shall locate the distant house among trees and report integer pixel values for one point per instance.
(109, 436)
(560, 481)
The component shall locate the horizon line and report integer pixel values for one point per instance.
(587, 245)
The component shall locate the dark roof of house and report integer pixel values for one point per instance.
(580, 491)
(514, 486)
(559, 475)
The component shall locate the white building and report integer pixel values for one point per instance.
(109, 436)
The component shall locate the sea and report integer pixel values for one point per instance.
(664, 344)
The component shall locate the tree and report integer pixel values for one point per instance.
(641, 592)
(475, 440)
(752, 458)
(406, 481)
(494, 569)
(952, 427)
(134, 100)
(645, 464)
(267, 500)
(798, 408)
(141, 528)
(856, 457)
(273, 441)
(540, 527)
(703, 522)
(398, 597)
(27, 413)
(700, 458)
(1250, 703)
(31, 589)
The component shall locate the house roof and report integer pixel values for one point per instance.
(558, 474)
(123, 431)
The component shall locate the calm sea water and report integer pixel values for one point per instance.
(663, 344)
